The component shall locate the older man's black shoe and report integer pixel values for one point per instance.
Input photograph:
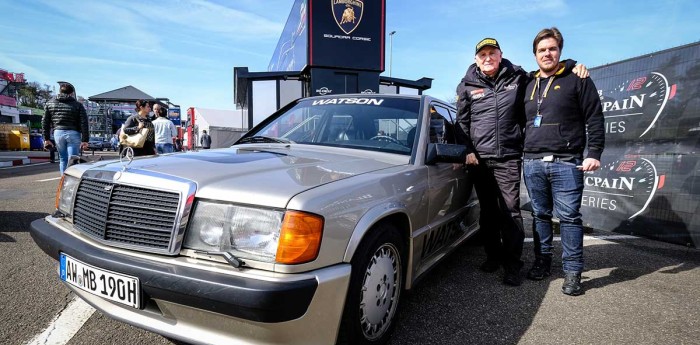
(490, 266)
(541, 268)
(512, 278)
(572, 284)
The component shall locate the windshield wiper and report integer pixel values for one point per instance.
(264, 139)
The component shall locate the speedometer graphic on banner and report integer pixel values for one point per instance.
(625, 186)
(659, 91)
(636, 105)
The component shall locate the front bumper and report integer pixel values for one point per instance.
(198, 304)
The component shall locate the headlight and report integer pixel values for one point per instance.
(290, 237)
(65, 195)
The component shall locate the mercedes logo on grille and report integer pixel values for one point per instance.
(126, 156)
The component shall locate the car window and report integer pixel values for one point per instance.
(441, 125)
(372, 123)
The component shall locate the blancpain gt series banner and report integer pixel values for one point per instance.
(649, 181)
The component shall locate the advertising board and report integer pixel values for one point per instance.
(346, 34)
(291, 51)
(174, 116)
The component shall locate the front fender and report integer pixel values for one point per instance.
(368, 220)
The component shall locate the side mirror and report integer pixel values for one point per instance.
(445, 153)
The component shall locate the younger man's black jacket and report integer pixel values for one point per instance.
(570, 108)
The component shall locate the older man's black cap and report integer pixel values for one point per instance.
(491, 42)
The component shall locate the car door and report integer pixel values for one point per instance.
(449, 191)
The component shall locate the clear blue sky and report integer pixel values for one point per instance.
(186, 50)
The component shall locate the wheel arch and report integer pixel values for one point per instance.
(394, 214)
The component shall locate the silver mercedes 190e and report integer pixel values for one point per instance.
(306, 231)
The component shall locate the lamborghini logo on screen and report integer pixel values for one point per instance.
(348, 14)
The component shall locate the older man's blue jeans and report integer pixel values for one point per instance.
(556, 188)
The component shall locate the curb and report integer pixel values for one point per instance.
(15, 162)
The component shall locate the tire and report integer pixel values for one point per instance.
(376, 284)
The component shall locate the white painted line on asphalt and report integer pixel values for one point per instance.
(65, 324)
(49, 179)
(596, 237)
(610, 237)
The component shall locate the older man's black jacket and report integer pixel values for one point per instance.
(490, 112)
(64, 112)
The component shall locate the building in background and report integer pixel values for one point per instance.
(224, 127)
(112, 108)
(9, 85)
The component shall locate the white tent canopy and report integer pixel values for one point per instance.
(224, 126)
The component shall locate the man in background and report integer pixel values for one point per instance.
(69, 120)
(165, 131)
(205, 140)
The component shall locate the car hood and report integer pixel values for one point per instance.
(262, 175)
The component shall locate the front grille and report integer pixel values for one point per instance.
(122, 215)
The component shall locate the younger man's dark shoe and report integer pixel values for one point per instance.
(541, 268)
(490, 266)
(572, 284)
(512, 278)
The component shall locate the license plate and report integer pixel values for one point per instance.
(107, 284)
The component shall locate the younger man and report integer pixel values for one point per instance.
(561, 109)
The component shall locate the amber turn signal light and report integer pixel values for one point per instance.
(300, 238)
(58, 190)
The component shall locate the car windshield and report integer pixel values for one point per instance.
(366, 123)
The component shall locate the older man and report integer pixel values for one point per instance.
(491, 117)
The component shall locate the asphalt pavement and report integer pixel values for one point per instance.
(637, 291)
